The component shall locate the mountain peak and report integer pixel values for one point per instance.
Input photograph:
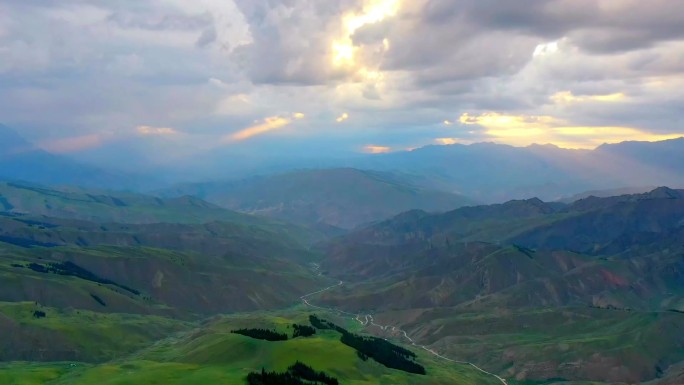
(664, 192)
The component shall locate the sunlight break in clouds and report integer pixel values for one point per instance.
(545, 49)
(522, 130)
(374, 11)
(269, 124)
(342, 118)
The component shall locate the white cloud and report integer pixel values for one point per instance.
(149, 130)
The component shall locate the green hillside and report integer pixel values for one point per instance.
(534, 292)
(167, 269)
(108, 206)
(211, 354)
(31, 331)
(104, 206)
(537, 345)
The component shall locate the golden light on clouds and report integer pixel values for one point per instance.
(448, 122)
(522, 130)
(266, 125)
(372, 149)
(371, 75)
(497, 120)
(567, 97)
(446, 141)
(149, 130)
(344, 53)
(342, 118)
(374, 11)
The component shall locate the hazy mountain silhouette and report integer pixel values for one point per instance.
(494, 172)
(343, 198)
(21, 160)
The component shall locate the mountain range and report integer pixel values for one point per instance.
(340, 198)
(483, 172)
(504, 282)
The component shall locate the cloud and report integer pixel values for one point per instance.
(266, 125)
(568, 97)
(373, 149)
(397, 66)
(149, 130)
(524, 130)
(207, 37)
(447, 141)
(372, 12)
(342, 118)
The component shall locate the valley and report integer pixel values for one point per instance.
(523, 292)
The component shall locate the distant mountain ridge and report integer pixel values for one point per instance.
(607, 193)
(484, 172)
(20, 160)
(343, 198)
(490, 172)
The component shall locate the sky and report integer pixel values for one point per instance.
(336, 76)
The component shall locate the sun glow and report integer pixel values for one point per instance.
(374, 11)
(521, 130)
(342, 118)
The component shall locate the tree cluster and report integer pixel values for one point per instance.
(302, 331)
(39, 314)
(382, 351)
(320, 323)
(297, 374)
(98, 299)
(71, 269)
(262, 334)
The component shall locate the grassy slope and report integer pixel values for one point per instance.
(170, 282)
(538, 344)
(109, 206)
(123, 207)
(77, 335)
(212, 354)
